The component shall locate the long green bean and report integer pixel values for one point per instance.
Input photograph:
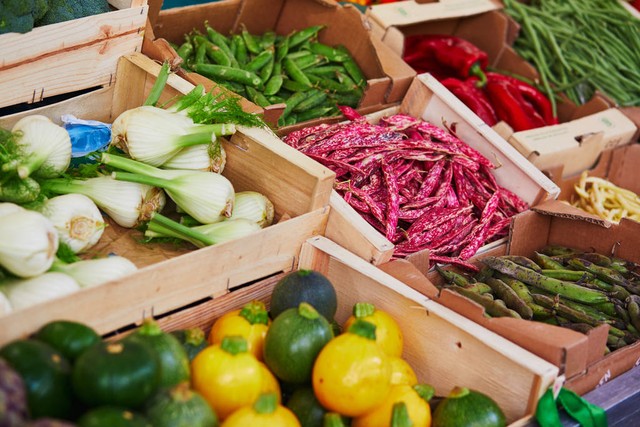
(593, 42)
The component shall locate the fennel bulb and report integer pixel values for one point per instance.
(46, 147)
(208, 158)
(77, 219)
(206, 196)
(129, 204)
(253, 206)
(9, 208)
(94, 272)
(153, 135)
(27, 292)
(28, 243)
(201, 235)
(5, 305)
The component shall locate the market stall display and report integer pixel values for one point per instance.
(354, 281)
(315, 207)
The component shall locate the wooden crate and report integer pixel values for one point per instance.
(256, 160)
(429, 100)
(69, 56)
(444, 348)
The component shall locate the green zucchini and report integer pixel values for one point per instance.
(46, 375)
(180, 406)
(113, 416)
(69, 338)
(193, 341)
(304, 286)
(174, 362)
(122, 373)
(465, 407)
(293, 342)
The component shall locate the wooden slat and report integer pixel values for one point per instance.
(68, 56)
(347, 227)
(176, 282)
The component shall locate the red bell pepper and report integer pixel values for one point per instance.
(511, 105)
(445, 56)
(473, 97)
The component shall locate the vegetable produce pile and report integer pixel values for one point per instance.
(605, 199)
(462, 68)
(580, 47)
(311, 78)
(21, 16)
(154, 378)
(561, 286)
(419, 185)
(51, 212)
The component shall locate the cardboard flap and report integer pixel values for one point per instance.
(411, 12)
(408, 274)
(400, 72)
(560, 209)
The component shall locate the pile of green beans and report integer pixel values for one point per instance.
(309, 77)
(560, 286)
(580, 47)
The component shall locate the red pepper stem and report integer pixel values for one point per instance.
(477, 71)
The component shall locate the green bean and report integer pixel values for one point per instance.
(250, 41)
(294, 72)
(237, 75)
(570, 275)
(294, 86)
(293, 100)
(241, 49)
(272, 86)
(303, 35)
(603, 273)
(259, 61)
(565, 311)
(492, 307)
(329, 52)
(510, 297)
(326, 70)
(633, 308)
(452, 277)
(352, 68)
(185, 50)
(314, 99)
(282, 49)
(201, 54)
(315, 113)
(257, 97)
(546, 262)
(267, 70)
(479, 288)
(519, 288)
(221, 41)
(310, 61)
(523, 261)
(268, 40)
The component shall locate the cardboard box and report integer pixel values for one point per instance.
(444, 348)
(579, 357)
(429, 100)
(618, 165)
(257, 160)
(69, 56)
(571, 143)
(387, 76)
